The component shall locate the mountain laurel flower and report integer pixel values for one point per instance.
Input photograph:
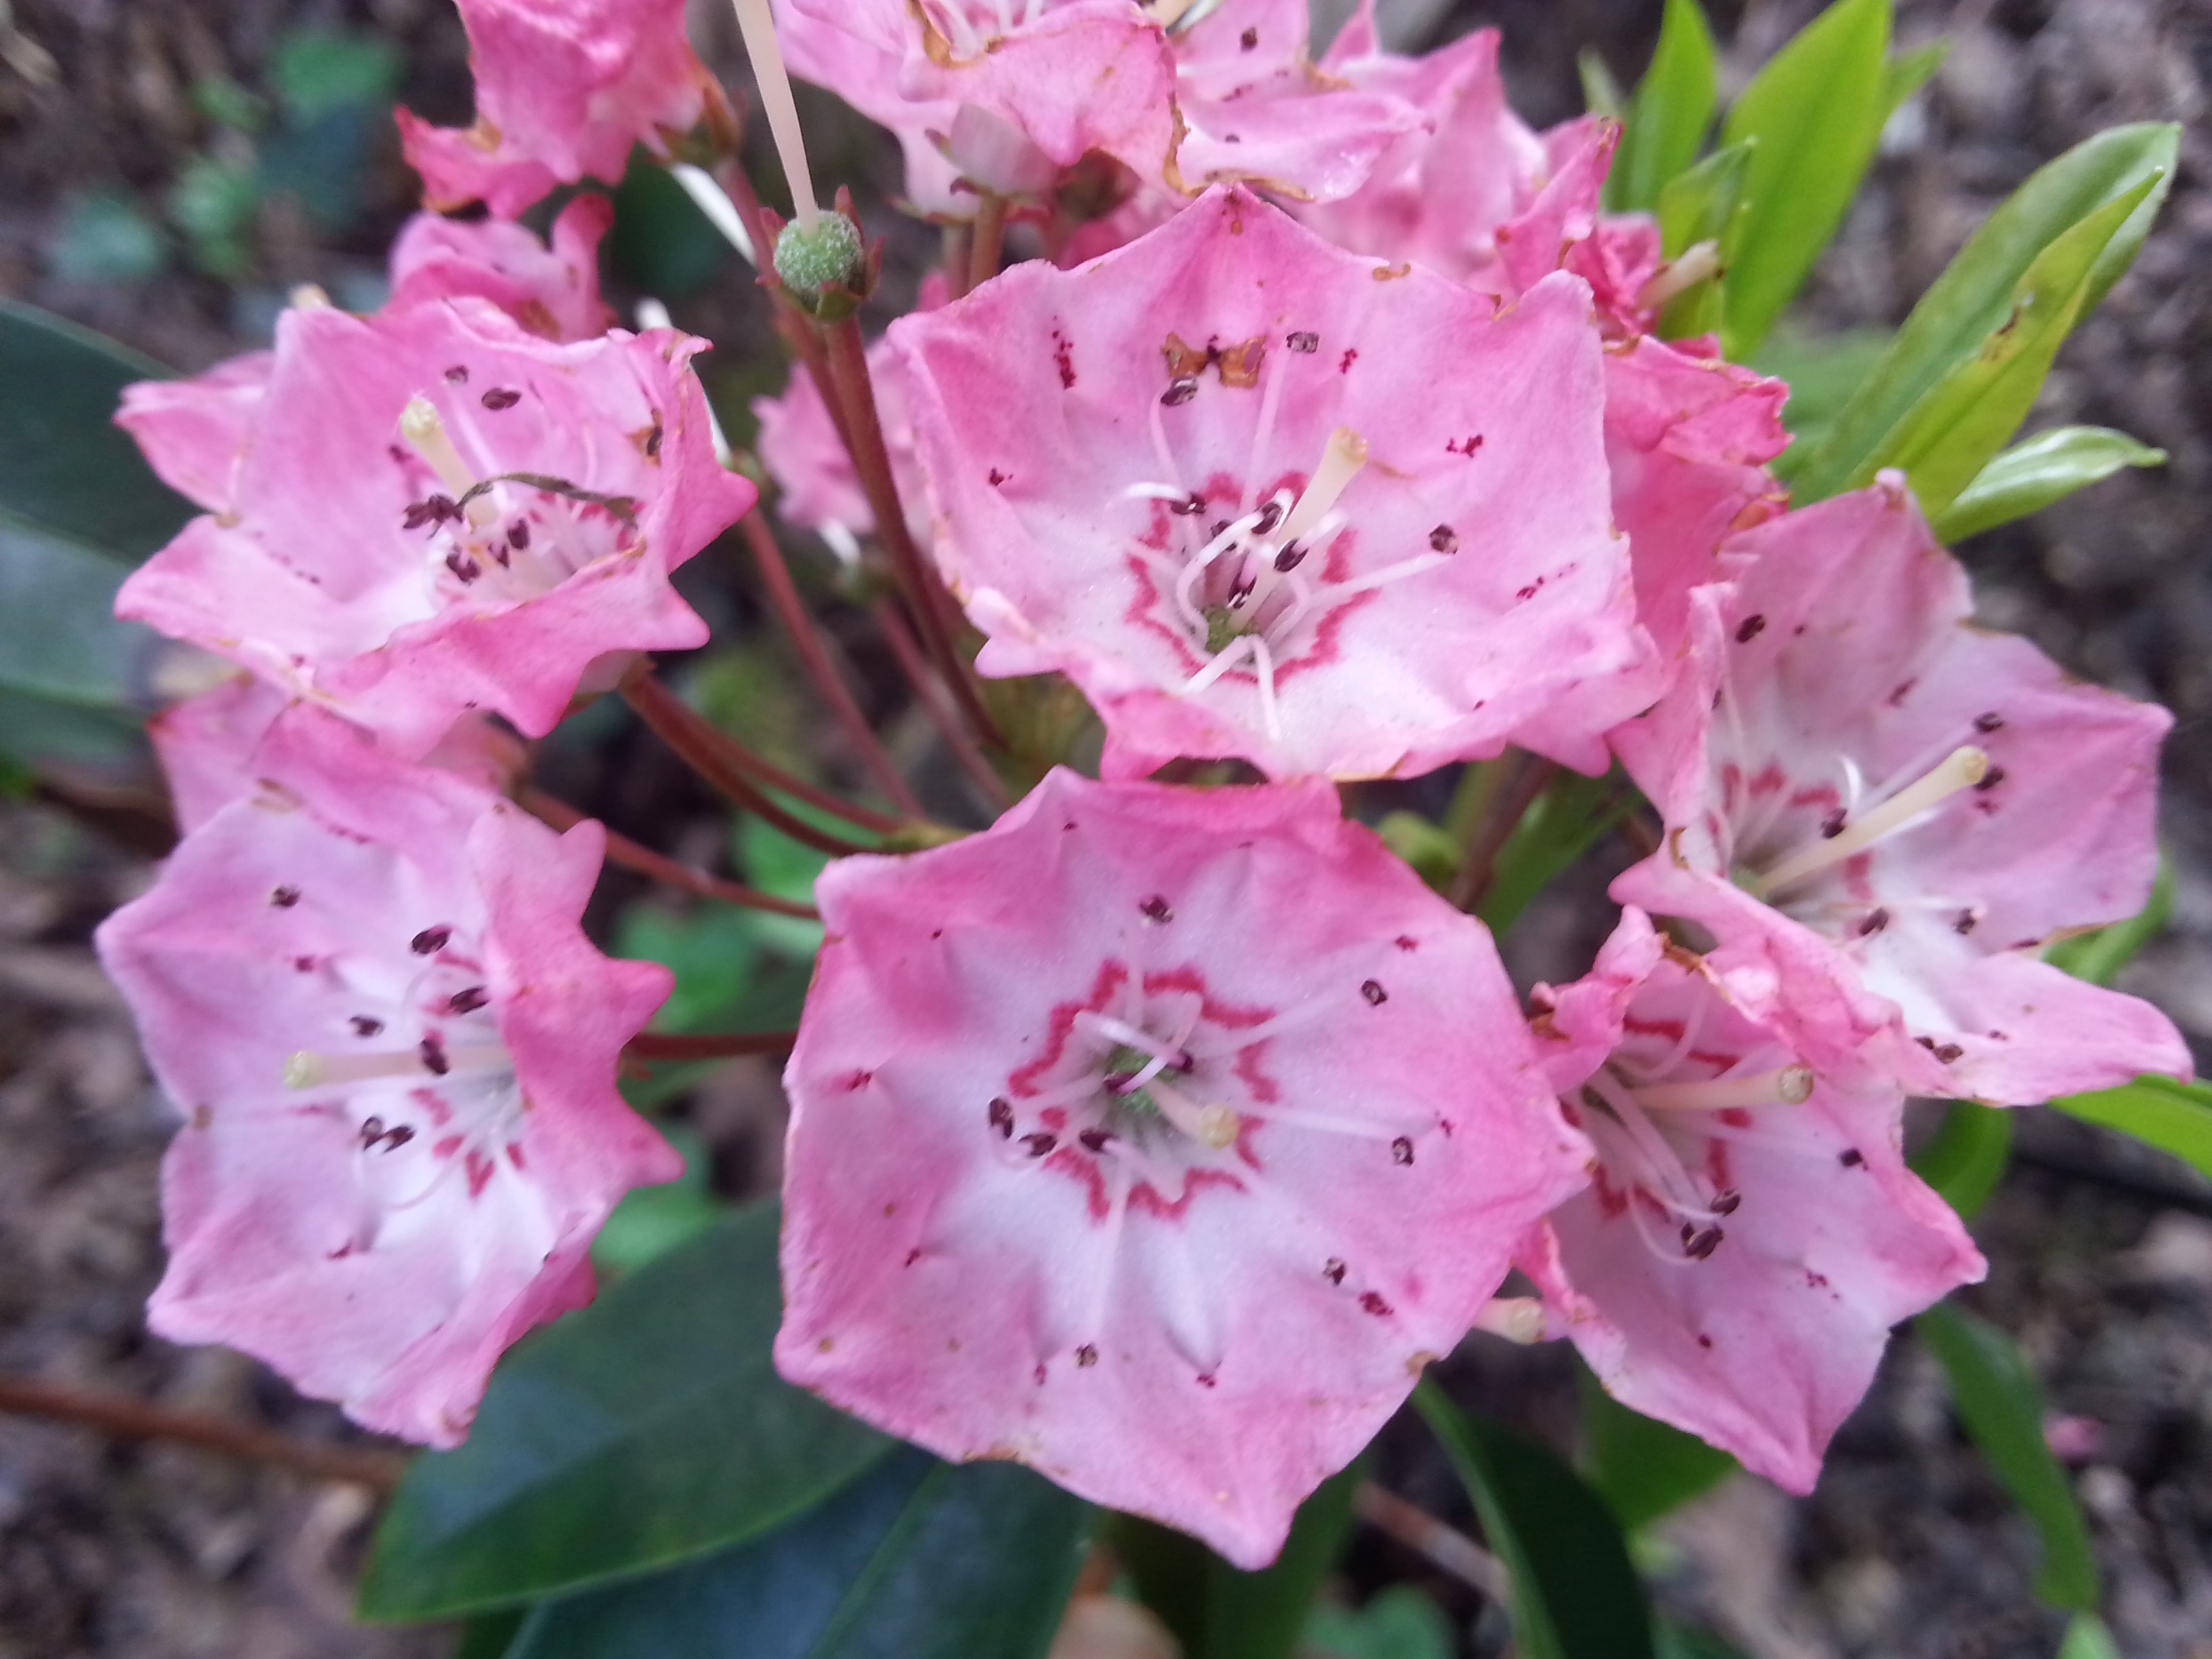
(564, 89)
(553, 292)
(364, 987)
(194, 432)
(1216, 478)
(1751, 1232)
(1007, 94)
(1881, 814)
(437, 512)
(1157, 1138)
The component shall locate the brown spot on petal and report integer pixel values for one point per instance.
(1989, 722)
(457, 375)
(500, 397)
(1002, 1117)
(1750, 628)
(1333, 1271)
(1350, 356)
(1373, 991)
(1180, 391)
(1466, 446)
(1373, 1302)
(1063, 359)
(1850, 1158)
(1303, 341)
(1392, 273)
(1444, 540)
(1240, 363)
(1402, 1150)
(283, 897)
(1086, 1357)
(1156, 910)
(430, 941)
(1248, 40)
(1185, 360)
(1989, 780)
(1037, 1146)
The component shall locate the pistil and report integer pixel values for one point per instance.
(310, 1070)
(425, 432)
(1209, 1122)
(757, 25)
(1964, 766)
(1791, 1085)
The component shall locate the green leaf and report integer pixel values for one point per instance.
(1952, 433)
(1908, 72)
(1824, 372)
(1671, 111)
(490, 1635)
(661, 243)
(1560, 825)
(2174, 1117)
(65, 466)
(1817, 110)
(59, 637)
(1575, 1594)
(1974, 296)
(2001, 1404)
(1965, 1157)
(1675, 1641)
(2036, 471)
(1217, 1611)
(2088, 1639)
(1704, 204)
(1643, 1469)
(214, 202)
(1601, 92)
(316, 71)
(2098, 955)
(918, 1559)
(651, 1221)
(1397, 1623)
(36, 734)
(649, 1429)
(105, 237)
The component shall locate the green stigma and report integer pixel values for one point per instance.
(824, 254)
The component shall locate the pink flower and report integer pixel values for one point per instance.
(564, 89)
(1155, 1137)
(437, 512)
(1474, 193)
(553, 293)
(1882, 813)
(1687, 437)
(1751, 1232)
(1216, 478)
(194, 432)
(365, 989)
(1005, 94)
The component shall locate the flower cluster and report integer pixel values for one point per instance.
(1159, 1135)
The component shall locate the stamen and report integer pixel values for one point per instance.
(1517, 1318)
(758, 26)
(1168, 13)
(1964, 768)
(309, 1070)
(1214, 1124)
(1792, 1085)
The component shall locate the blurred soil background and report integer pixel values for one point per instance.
(170, 168)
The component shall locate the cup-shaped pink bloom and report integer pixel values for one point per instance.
(564, 89)
(438, 512)
(365, 989)
(194, 432)
(1751, 1232)
(1222, 478)
(553, 292)
(1155, 1137)
(1882, 813)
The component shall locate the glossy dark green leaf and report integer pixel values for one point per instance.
(918, 1559)
(2174, 1117)
(2098, 956)
(1398, 1622)
(1817, 110)
(2039, 471)
(1217, 1611)
(1674, 1641)
(649, 1429)
(2001, 1404)
(661, 243)
(1965, 1157)
(1974, 296)
(1954, 431)
(1703, 203)
(58, 636)
(1643, 1467)
(1669, 115)
(36, 734)
(65, 466)
(1575, 1594)
(490, 1635)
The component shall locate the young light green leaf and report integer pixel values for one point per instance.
(1908, 72)
(1952, 433)
(1560, 826)
(2098, 956)
(2088, 1639)
(1965, 1157)
(1643, 1467)
(65, 467)
(1669, 115)
(1217, 1611)
(2039, 471)
(2174, 1117)
(2001, 1404)
(1817, 110)
(1703, 203)
(1601, 91)
(1575, 1594)
(918, 1559)
(1824, 372)
(1973, 297)
(649, 1429)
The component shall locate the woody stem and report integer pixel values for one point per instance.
(710, 1045)
(632, 855)
(925, 596)
(1522, 779)
(736, 770)
(798, 333)
(783, 598)
(931, 696)
(989, 239)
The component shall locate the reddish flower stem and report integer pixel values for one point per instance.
(712, 1045)
(1495, 827)
(736, 770)
(783, 598)
(634, 855)
(930, 693)
(990, 239)
(926, 596)
(796, 328)
(958, 242)
(129, 1418)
